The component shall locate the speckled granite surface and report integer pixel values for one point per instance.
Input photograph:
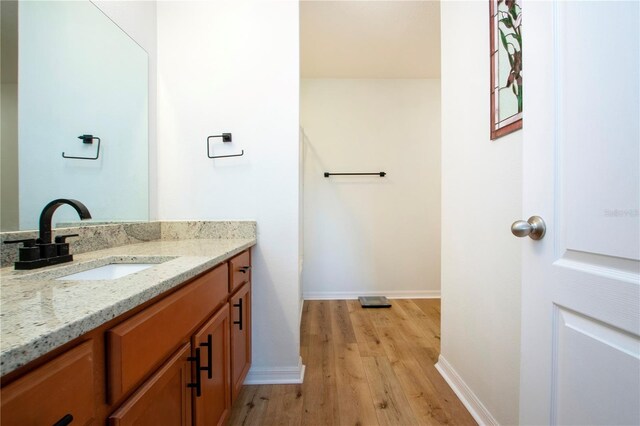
(39, 313)
(102, 235)
(91, 238)
(176, 230)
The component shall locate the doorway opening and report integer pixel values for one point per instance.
(370, 103)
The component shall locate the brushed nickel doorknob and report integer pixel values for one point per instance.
(534, 228)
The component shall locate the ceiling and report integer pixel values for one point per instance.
(370, 39)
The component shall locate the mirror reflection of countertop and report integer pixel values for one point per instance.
(39, 313)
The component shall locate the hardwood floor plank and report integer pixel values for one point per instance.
(414, 328)
(430, 307)
(353, 305)
(455, 409)
(366, 335)
(319, 318)
(320, 406)
(421, 394)
(251, 405)
(355, 402)
(285, 406)
(304, 331)
(426, 320)
(304, 324)
(392, 407)
(380, 317)
(341, 326)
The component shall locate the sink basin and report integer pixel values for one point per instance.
(111, 271)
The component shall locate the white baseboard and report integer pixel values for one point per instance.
(395, 294)
(476, 408)
(276, 376)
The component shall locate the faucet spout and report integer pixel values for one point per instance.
(47, 215)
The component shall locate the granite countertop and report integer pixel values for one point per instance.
(39, 313)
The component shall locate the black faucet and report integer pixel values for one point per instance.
(47, 215)
(42, 252)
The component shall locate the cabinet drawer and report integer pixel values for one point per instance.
(61, 387)
(139, 345)
(239, 270)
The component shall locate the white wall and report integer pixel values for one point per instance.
(481, 197)
(371, 235)
(138, 20)
(234, 67)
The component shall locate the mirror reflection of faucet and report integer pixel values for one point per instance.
(37, 253)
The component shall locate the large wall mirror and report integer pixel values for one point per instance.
(68, 71)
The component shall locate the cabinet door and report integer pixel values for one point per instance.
(59, 392)
(240, 305)
(164, 399)
(211, 345)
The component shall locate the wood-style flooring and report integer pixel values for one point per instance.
(364, 367)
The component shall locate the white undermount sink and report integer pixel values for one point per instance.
(111, 271)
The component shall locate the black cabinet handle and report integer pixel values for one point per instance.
(239, 306)
(67, 419)
(244, 269)
(198, 383)
(209, 346)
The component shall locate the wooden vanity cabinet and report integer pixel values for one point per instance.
(240, 304)
(179, 359)
(164, 399)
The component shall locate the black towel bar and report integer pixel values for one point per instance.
(381, 174)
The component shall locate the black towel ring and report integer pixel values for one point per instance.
(89, 140)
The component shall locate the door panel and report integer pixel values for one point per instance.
(598, 126)
(581, 282)
(596, 370)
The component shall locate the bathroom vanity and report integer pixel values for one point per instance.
(170, 345)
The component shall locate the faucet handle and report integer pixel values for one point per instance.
(29, 252)
(62, 246)
(61, 239)
(28, 242)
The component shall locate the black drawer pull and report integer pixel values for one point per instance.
(67, 419)
(244, 269)
(209, 346)
(198, 383)
(239, 306)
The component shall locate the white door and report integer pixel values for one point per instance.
(580, 297)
